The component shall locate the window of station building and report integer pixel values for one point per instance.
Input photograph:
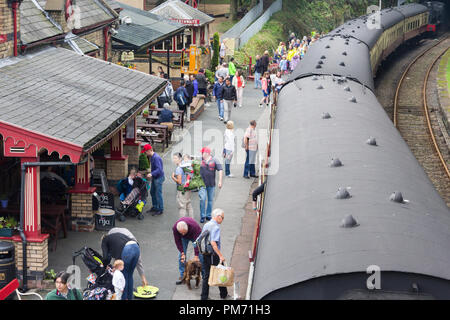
(159, 46)
(187, 41)
(180, 44)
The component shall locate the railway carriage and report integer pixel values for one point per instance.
(350, 208)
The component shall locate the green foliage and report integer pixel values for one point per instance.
(209, 75)
(50, 274)
(215, 57)
(9, 222)
(144, 164)
(302, 17)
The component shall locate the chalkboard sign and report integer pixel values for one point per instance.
(106, 200)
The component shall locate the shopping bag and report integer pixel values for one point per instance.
(221, 276)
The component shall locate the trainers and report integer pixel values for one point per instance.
(179, 281)
(260, 105)
(230, 176)
(157, 213)
(202, 220)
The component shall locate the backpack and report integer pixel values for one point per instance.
(180, 98)
(204, 244)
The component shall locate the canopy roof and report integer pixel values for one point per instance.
(79, 101)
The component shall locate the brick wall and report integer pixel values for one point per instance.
(7, 29)
(37, 262)
(133, 154)
(60, 18)
(116, 169)
(98, 39)
(82, 214)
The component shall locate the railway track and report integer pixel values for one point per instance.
(414, 121)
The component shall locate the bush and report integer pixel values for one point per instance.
(209, 75)
(215, 57)
(144, 164)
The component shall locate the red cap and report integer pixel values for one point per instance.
(146, 147)
(205, 150)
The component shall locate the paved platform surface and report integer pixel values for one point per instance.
(154, 233)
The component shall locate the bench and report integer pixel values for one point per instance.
(163, 134)
(197, 106)
(178, 119)
(53, 218)
(53, 221)
(14, 286)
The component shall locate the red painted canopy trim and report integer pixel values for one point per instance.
(21, 142)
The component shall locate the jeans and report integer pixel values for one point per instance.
(181, 266)
(228, 105)
(157, 194)
(208, 262)
(228, 158)
(203, 193)
(130, 257)
(257, 80)
(249, 166)
(220, 107)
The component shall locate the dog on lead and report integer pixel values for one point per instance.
(192, 271)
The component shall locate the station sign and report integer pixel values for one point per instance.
(190, 22)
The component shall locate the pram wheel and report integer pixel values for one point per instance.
(140, 216)
(121, 217)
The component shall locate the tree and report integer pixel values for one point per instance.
(233, 9)
(215, 57)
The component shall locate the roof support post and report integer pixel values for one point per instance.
(168, 58)
(32, 200)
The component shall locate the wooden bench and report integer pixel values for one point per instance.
(197, 106)
(53, 218)
(178, 119)
(53, 221)
(163, 133)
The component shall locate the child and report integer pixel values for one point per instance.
(118, 280)
(265, 83)
(283, 64)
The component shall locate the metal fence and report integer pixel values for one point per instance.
(256, 26)
(239, 27)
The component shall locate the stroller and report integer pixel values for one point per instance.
(134, 203)
(99, 285)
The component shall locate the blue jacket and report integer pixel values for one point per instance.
(195, 83)
(157, 166)
(218, 90)
(165, 116)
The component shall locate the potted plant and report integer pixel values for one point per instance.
(145, 113)
(49, 279)
(152, 106)
(7, 226)
(4, 200)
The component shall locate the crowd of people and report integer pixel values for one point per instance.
(204, 175)
(288, 54)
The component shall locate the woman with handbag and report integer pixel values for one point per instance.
(228, 147)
